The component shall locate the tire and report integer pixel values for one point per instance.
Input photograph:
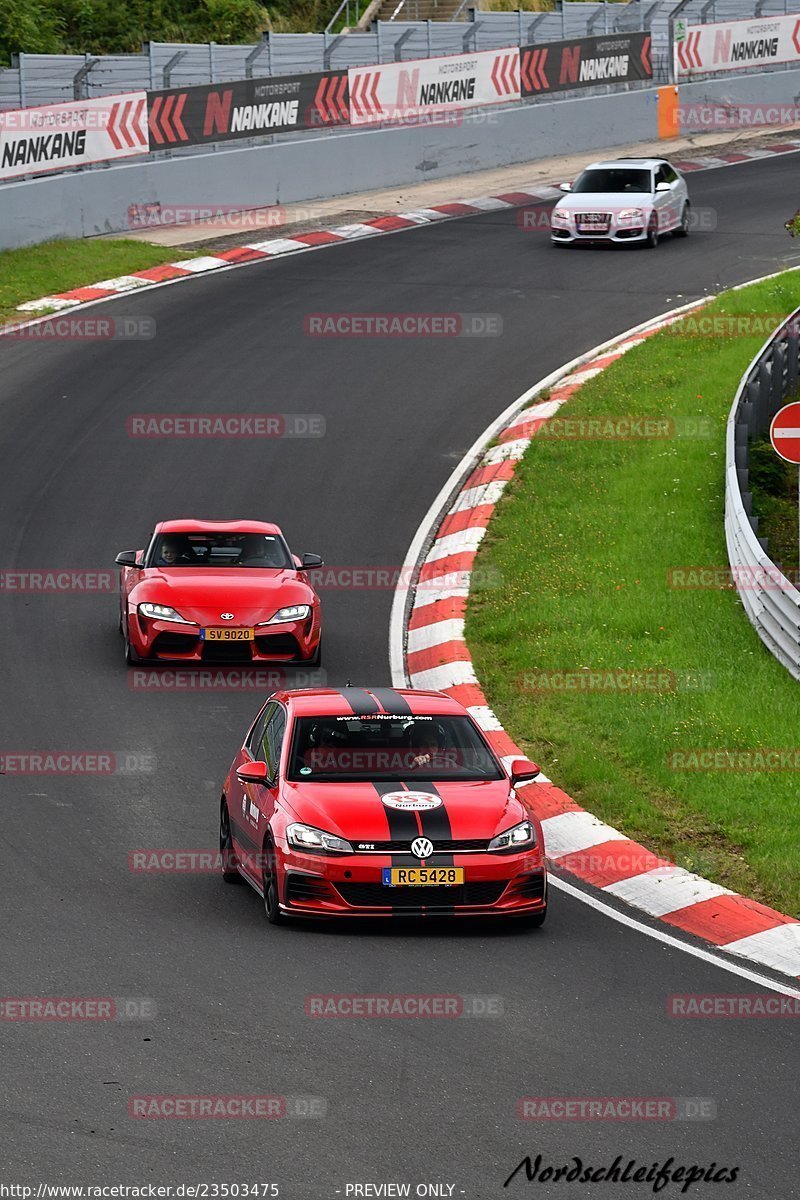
(270, 885)
(683, 228)
(131, 657)
(536, 920)
(652, 233)
(230, 874)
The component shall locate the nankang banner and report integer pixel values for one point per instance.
(55, 137)
(734, 45)
(246, 108)
(584, 62)
(402, 91)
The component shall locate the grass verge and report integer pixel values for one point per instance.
(584, 541)
(59, 266)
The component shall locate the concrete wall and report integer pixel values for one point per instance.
(97, 201)
(92, 202)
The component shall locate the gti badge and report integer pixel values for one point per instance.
(422, 847)
(226, 616)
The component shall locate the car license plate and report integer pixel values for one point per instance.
(423, 876)
(593, 227)
(227, 635)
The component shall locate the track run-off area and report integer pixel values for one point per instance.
(583, 1003)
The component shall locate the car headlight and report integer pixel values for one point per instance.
(517, 836)
(294, 612)
(306, 837)
(162, 612)
(559, 219)
(630, 216)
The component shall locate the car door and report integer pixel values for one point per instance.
(238, 794)
(670, 204)
(258, 799)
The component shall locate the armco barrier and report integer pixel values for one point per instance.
(769, 599)
(355, 160)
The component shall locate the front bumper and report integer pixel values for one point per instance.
(170, 641)
(632, 233)
(351, 886)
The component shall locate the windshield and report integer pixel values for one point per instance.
(388, 747)
(267, 551)
(614, 179)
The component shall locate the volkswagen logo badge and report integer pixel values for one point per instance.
(226, 616)
(422, 847)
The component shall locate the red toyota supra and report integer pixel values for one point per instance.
(357, 802)
(219, 591)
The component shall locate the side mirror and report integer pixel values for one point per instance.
(311, 560)
(127, 558)
(662, 187)
(565, 187)
(523, 769)
(253, 772)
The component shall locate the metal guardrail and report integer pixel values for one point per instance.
(771, 602)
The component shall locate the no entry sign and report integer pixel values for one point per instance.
(784, 432)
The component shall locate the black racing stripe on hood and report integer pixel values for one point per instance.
(360, 701)
(402, 827)
(436, 826)
(392, 701)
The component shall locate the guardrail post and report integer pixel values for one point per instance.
(255, 54)
(531, 37)
(792, 361)
(329, 49)
(79, 91)
(170, 66)
(398, 46)
(471, 33)
(777, 393)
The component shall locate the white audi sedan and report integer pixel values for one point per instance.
(623, 200)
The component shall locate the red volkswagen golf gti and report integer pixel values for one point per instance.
(377, 802)
(219, 591)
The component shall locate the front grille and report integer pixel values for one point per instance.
(443, 846)
(281, 645)
(375, 895)
(227, 652)
(306, 887)
(175, 643)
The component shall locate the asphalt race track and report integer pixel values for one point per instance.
(584, 1000)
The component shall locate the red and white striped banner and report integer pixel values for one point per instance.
(736, 45)
(411, 89)
(58, 136)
